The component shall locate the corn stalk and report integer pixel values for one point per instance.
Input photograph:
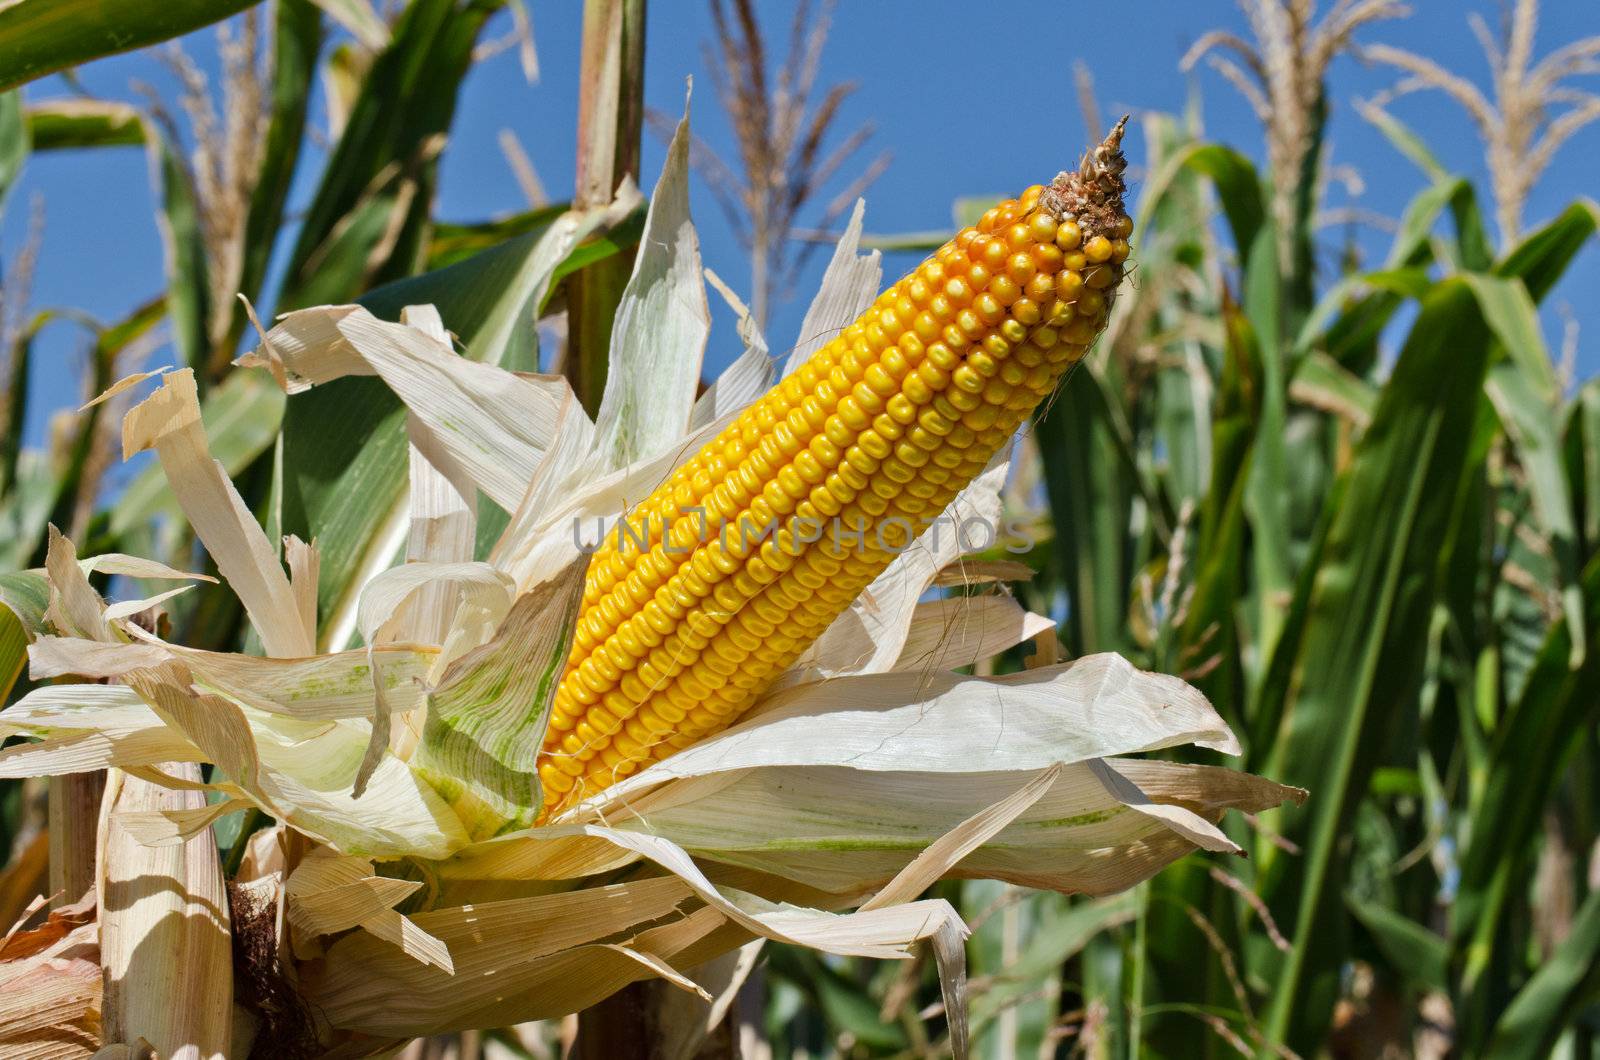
(610, 124)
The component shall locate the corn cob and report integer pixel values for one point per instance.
(689, 615)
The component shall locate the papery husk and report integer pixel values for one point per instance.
(750, 375)
(494, 425)
(87, 727)
(682, 1022)
(319, 688)
(25, 877)
(50, 986)
(514, 960)
(304, 773)
(169, 422)
(328, 894)
(961, 631)
(871, 634)
(849, 284)
(444, 515)
(165, 946)
(658, 338)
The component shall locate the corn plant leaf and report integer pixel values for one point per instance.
(366, 221)
(1543, 255)
(835, 996)
(1349, 333)
(1532, 745)
(1183, 395)
(1405, 140)
(455, 241)
(14, 139)
(1510, 312)
(1528, 419)
(360, 18)
(1331, 680)
(1419, 954)
(658, 338)
(189, 305)
(1232, 174)
(1090, 496)
(24, 596)
(1210, 630)
(921, 243)
(1541, 1011)
(969, 209)
(33, 480)
(1324, 383)
(1582, 455)
(60, 124)
(111, 341)
(39, 37)
(1525, 392)
(1061, 934)
(1266, 491)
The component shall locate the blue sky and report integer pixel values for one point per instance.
(968, 98)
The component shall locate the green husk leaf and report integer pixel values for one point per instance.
(487, 717)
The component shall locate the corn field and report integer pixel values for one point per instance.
(1151, 613)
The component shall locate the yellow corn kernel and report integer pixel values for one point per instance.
(807, 495)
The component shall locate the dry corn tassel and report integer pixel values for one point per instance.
(755, 545)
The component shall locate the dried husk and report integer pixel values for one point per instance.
(165, 947)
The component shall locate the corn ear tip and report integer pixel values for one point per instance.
(1093, 193)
